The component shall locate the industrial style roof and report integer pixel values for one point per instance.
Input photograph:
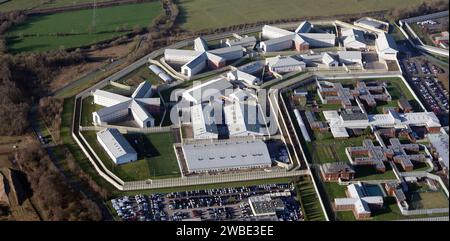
(240, 75)
(200, 44)
(115, 143)
(283, 61)
(188, 54)
(392, 119)
(200, 54)
(372, 23)
(226, 155)
(353, 38)
(242, 119)
(248, 40)
(358, 198)
(226, 50)
(265, 205)
(385, 43)
(350, 55)
(304, 27)
(334, 167)
(275, 32)
(118, 102)
(278, 36)
(207, 90)
(204, 124)
(440, 144)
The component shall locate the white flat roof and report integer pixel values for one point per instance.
(283, 61)
(226, 155)
(203, 91)
(275, 30)
(440, 143)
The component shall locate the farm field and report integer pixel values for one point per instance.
(203, 14)
(39, 33)
(27, 4)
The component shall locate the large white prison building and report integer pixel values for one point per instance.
(386, 47)
(194, 61)
(116, 146)
(284, 64)
(207, 90)
(225, 156)
(340, 123)
(353, 38)
(118, 107)
(281, 39)
(244, 77)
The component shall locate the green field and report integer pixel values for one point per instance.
(202, 14)
(155, 153)
(39, 33)
(35, 4)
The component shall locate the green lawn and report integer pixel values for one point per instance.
(87, 109)
(433, 200)
(76, 151)
(418, 166)
(155, 153)
(202, 14)
(327, 149)
(370, 173)
(421, 197)
(38, 33)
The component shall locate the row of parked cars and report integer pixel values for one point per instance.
(426, 83)
(211, 204)
(432, 93)
(140, 208)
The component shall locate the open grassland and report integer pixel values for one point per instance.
(202, 14)
(40, 4)
(74, 28)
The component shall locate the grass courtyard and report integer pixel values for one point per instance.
(156, 157)
(202, 14)
(86, 111)
(74, 28)
(421, 197)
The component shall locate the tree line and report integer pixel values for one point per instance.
(55, 198)
(426, 7)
